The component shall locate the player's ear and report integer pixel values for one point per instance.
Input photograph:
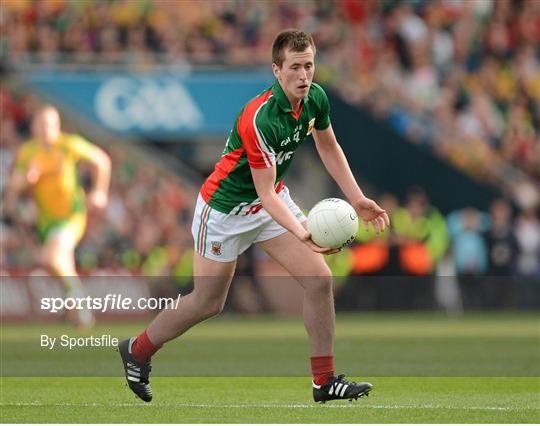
(276, 70)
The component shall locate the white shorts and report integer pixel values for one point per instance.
(222, 237)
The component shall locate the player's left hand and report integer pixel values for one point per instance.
(98, 199)
(370, 212)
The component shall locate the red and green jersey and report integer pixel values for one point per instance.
(266, 133)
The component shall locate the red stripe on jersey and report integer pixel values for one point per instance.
(223, 168)
(256, 150)
(297, 115)
(279, 187)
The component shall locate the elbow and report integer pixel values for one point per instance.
(108, 163)
(267, 198)
(103, 161)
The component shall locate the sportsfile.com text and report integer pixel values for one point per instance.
(109, 302)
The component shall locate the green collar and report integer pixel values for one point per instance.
(281, 98)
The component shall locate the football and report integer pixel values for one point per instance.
(332, 223)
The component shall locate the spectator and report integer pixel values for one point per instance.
(498, 287)
(421, 233)
(470, 252)
(527, 233)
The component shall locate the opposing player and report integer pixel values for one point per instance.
(244, 201)
(46, 164)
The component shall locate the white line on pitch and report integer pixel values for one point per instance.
(188, 405)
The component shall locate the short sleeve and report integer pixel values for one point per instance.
(80, 147)
(251, 130)
(322, 120)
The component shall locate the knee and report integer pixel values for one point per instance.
(52, 263)
(214, 308)
(59, 267)
(59, 262)
(320, 282)
(210, 306)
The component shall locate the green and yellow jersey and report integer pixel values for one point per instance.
(57, 193)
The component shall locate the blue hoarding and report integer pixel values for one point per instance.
(156, 105)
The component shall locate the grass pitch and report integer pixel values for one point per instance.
(269, 400)
(426, 368)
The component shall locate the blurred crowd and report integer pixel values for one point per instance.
(459, 77)
(145, 227)
(494, 255)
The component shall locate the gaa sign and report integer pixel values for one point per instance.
(146, 104)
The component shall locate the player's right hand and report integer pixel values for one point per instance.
(306, 239)
(33, 174)
(97, 199)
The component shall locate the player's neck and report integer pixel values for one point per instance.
(50, 144)
(296, 104)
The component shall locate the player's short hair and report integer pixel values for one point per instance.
(292, 39)
(43, 108)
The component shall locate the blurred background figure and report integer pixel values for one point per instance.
(46, 165)
(527, 233)
(421, 233)
(421, 236)
(498, 288)
(466, 228)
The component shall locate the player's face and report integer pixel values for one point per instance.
(296, 73)
(46, 126)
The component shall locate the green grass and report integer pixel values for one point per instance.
(269, 400)
(385, 345)
(426, 368)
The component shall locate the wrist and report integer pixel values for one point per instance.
(302, 234)
(358, 199)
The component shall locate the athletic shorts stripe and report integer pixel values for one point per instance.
(199, 231)
(205, 230)
(204, 224)
(201, 228)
